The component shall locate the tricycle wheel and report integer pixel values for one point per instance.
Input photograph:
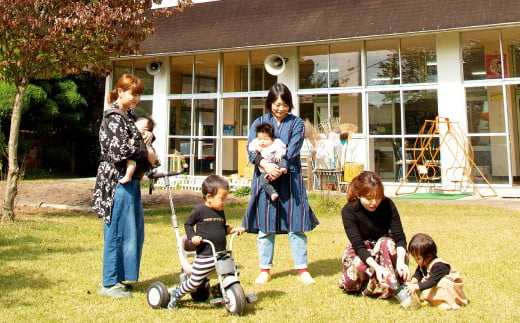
(157, 295)
(236, 299)
(201, 294)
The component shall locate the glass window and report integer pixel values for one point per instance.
(204, 156)
(206, 73)
(313, 67)
(490, 156)
(144, 108)
(384, 113)
(511, 48)
(248, 114)
(260, 79)
(345, 64)
(138, 68)
(418, 107)
(231, 110)
(180, 77)
(180, 118)
(387, 160)
(350, 108)
(315, 108)
(382, 62)
(485, 109)
(234, 65)
(481, 55)
(419, 60)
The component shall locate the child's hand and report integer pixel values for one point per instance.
(412, 288)
(196, 240)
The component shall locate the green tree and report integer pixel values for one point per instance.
(42, 39)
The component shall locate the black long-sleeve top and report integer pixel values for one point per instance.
(362, 225)
(429, 279)
(209, 224)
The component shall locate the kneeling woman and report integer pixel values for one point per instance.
(375, 261)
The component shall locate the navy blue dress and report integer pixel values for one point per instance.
(291, 211)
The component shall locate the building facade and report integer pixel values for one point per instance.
(386, 67)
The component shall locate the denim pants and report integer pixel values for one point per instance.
(124, 236)
(298, 242)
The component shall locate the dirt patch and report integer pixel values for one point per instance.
(77, 194)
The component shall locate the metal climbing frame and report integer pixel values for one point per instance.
(427, 164)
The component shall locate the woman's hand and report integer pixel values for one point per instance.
(402, 270)
(271, 170)
(401, 264)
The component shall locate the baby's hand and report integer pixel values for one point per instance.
(196, 240)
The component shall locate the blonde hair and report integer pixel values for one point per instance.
(126, 82)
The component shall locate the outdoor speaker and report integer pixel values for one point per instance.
(153, 68)
(274, 64)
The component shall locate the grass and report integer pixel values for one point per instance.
(50, 269)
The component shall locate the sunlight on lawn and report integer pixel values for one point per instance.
(51, 268)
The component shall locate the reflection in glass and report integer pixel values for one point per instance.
(315, 108)
(485, 109)
(231, 115)
(313, 67)
(234, 80)
(384, 113)
(419, 59)
(180, 75)
(180, 118)
(345, 64)
(491, 158)
(481, 55)
(350, 108)
(206, 73)
(382, 62)
(204, 156)
(388, 159)
(260, 79)
(511, 47)
(418, 107)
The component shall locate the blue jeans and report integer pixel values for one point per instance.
(124, 236)
(298, 241)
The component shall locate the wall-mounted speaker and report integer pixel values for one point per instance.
(274, 64)
(153, 68)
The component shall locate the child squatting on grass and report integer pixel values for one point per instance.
(207, 221)
(272, 150)
(439, 283)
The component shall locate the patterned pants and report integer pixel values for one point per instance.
(358, 277)
(201, 268)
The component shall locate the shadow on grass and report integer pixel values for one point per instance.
(323, 267)
(172, 281)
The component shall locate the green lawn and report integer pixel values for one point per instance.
(50, 269)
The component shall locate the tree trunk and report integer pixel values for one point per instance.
(13, 171)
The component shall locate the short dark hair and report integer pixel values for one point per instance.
(423, 245)
(265, 128)
(279, 90)
(212, 184)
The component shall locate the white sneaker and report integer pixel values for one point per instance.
(306, 278)
(263, 278)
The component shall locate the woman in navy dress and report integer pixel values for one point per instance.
(290, 213)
